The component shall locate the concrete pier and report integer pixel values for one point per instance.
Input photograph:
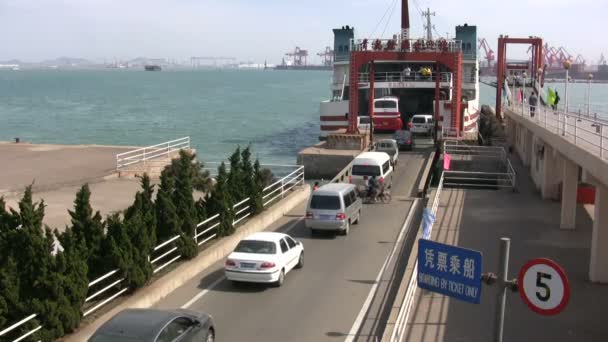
(555, 146)
(57, 173)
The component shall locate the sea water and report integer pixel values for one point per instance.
(277, 112)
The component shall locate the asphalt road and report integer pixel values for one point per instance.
(324, 300)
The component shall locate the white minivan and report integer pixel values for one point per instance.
(369, 164)
(422, 123)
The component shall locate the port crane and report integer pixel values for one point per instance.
(483, 44)
(602, 60)
(298, 56)
(327, 56)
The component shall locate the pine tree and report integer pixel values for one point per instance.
(133, 264)
(257, 188)
(144, 206)
(89, 228)
(167, 221)
(235, 177)
(220, 202)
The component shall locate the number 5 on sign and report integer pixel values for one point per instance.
(544, 286)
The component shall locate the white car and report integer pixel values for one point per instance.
(389, 146)
(264, 257)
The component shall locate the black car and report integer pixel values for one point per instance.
(149, 325)
(405, 140)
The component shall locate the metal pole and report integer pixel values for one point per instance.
(523, 97)
(566, 93)
(601, 140)
(501, 298)
(589, 97)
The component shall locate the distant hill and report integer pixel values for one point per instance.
(67, 61)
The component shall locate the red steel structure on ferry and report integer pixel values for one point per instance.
(436, 53)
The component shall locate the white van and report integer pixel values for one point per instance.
(422, 123)
(369, 164)
(333, 206)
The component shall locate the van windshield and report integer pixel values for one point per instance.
(325, 202)
(366, 170)
(419, 119)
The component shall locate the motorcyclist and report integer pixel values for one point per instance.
(372, 187)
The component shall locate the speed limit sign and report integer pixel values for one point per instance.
(543, 286)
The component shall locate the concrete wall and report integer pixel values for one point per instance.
(154, 292)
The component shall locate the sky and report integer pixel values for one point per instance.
(255, 30)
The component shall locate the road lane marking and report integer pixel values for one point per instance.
(203, 292)
(218, 281)
(372, 292)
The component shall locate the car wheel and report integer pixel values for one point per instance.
(300, 260)
(346, 229)
(210, 336)
(281, 279)
(358, 217)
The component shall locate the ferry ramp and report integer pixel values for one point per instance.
(337, 296)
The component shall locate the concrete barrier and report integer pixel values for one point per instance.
(426, 173)
(151, 294)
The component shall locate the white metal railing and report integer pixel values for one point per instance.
(405, 45)
(410, 293)
(280, 187)
(449, 133)
(401, 76)
(588, 133)
(106, 283)
(162, 252)
(207, 229)
(242, 210)
(151, 152)
(17, 325)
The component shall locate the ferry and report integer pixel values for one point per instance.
(432, 85)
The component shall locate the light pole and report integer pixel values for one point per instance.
(589, 78)
(567, 65)
(523, 93)
(539, 74)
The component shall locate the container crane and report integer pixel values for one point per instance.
(299, 56)
(483, 44)
(327, 56)
(602, 60)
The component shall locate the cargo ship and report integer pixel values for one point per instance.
(427, 75)
(152, 68)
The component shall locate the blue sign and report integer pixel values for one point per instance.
(428, 218)
(449, 270)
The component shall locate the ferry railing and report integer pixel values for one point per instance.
(108, 283)
(162, 252)
(401, 76)
(588, 133)
(5, 332)
(410, 293)
(143, 154)
(405, 45)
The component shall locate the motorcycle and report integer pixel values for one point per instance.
(384, 195)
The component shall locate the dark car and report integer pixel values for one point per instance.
(405, 140)
(149, 325)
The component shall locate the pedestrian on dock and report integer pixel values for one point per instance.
(532, 101)
(316, 186)
(556, 100)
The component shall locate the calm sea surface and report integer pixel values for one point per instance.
(275, 111)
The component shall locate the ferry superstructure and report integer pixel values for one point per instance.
(429, 76)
